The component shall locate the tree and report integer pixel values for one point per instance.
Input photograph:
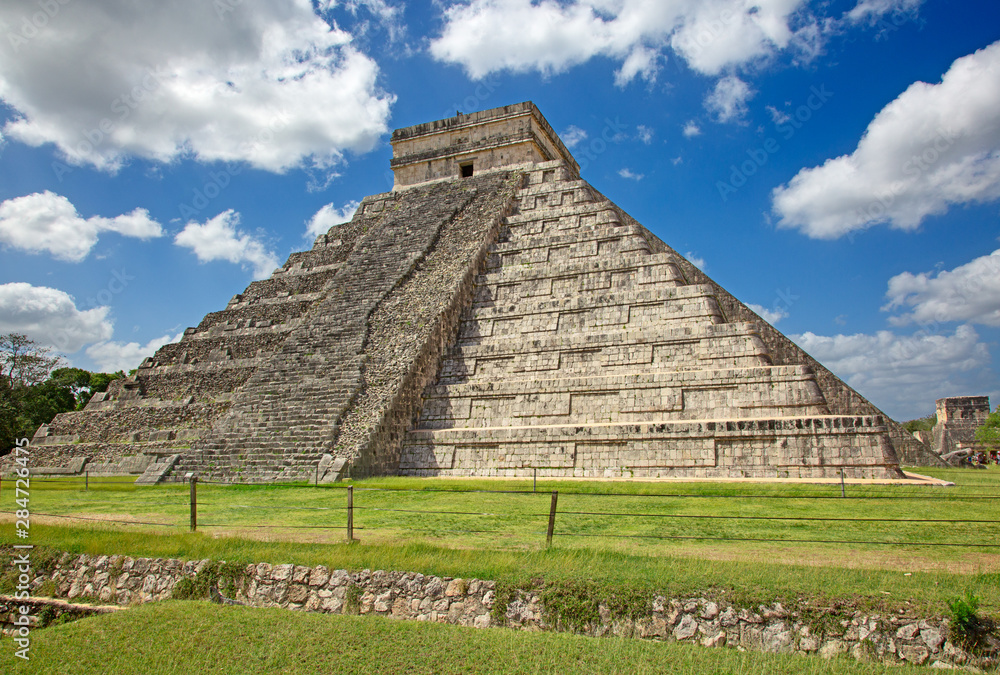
(989, 433)
(34, 388)
(23, 361)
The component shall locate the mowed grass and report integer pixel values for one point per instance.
(887, 526)
(194, 637)
(437, 531)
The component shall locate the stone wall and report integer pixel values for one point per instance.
(711, 621)
(957, 420)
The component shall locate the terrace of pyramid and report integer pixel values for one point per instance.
(492, 315)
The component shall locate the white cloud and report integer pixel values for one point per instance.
(573, 136)
(111, 357)
(728, 101)
(779, 117)
(486, 36)
(645, 134)
(219, 239)
(695, 260)
(772, 316)
(904, 375)
(51, 317)
(936, 145)
(630, 175)
(263, 81)
(968, 293)
(45, 221)
(870, 11)
(691, 129)
(328, 216)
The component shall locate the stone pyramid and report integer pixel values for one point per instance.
(492, 315)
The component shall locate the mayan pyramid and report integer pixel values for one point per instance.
(492, 315)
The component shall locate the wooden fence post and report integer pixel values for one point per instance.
(552, 518)
(86, 480)
(843, 492)
(350, 513)
(194, 501)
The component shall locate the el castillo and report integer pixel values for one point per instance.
(496, 409)
(492, 315)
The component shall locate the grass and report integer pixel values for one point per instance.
(727, 521)
(195, 637)
(886, 579)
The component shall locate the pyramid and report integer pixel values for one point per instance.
(492, 315)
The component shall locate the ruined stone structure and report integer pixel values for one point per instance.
(493, 315)
(957, 421)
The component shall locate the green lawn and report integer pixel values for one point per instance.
(393, 536)
(728, 521)
(191, 637)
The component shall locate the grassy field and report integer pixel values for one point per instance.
(438, 530)
(790, 523)
(190, 637)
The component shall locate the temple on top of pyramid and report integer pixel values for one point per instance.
(493, 315)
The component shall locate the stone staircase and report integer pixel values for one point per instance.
(588, 353)
(287, 416)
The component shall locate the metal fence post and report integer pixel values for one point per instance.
(552, 518)
(843, 492)
(194, 501)
(86, 480)
(350, 513)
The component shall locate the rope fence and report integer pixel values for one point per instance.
(569, 518)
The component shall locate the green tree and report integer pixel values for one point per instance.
(34, 387)
(24, 397)
(989, 433)
(23, 361)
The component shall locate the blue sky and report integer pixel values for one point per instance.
(835, 164)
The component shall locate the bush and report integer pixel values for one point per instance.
(968, 628)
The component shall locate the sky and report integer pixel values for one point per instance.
(833, 164)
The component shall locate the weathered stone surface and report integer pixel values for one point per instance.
(687, 628)
(916, 654)
(525, 321)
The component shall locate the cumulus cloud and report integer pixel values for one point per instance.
(45, 221)
(969, 293)
(267, 82)
(51, 317)
(630, 175)
(728, 101)
(691, 129)
(573, 136)
(486, 36)
(935, 146)
(772, 316)
(110, 357)
(644, 134)
(328, 216)
(903, 375)
(219, 239)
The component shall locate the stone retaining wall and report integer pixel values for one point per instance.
(709, 621)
